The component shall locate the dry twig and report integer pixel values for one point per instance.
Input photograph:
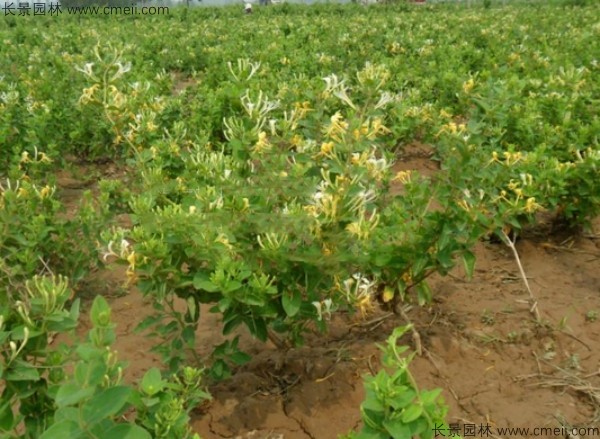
(532, 300)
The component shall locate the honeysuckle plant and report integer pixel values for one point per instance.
(124, 115)
(394, 406)
(290, 221)
(40, 398)
(35, 234)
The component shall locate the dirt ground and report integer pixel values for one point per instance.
(480, 341)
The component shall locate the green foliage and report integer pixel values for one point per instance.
(26, 321)
(36, 234)
(92, 400)
(293, 216)
(262, 184)
(394, 406)
(280, 207)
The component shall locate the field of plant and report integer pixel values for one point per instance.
(300, 198)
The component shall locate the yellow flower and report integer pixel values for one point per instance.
(518, 192)
(445, 114)
(531, 206)
(44, 158)
(337, 127)
(340, 180)
(513, 185)
(327, 149)
(45, 192)
(468, 85)
(296, 140)
(151, 126)
(354, 229)
(88, 94)
(377, 128)
(131, 260)
(452, 128)
(311, 210)
(263, 143)
(365, 305)
(222, 239)
(403, 177)
(464, 205)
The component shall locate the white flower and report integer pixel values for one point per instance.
(87, 69)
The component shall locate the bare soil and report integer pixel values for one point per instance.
(496, 365)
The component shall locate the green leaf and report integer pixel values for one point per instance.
(148, 322)
(201, 282)
(231, 323)
(444, 258)
(100, 312)
(7, 417)
(291, 303)
(67, 413)
(403, 399)
(88, 352)
(106, 404)
(90, 374)
(250, 299)
(21, 371)
(232, 285)
(220, 370)
(370, 433)
(372, 403)
(469, 261)
(72, 393)
(422, 428)
(63, 429)
(152, 383)
(74, 312)
(189, 336)
(429, 396)
(420, 265)
(257, 327)
(223, 305)
(423, 293)
(411, 413)
(397, 429)
(126, 431)
(240, 358)
(382, 259)
(193, 310)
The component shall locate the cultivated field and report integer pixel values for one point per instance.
(299, 223)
